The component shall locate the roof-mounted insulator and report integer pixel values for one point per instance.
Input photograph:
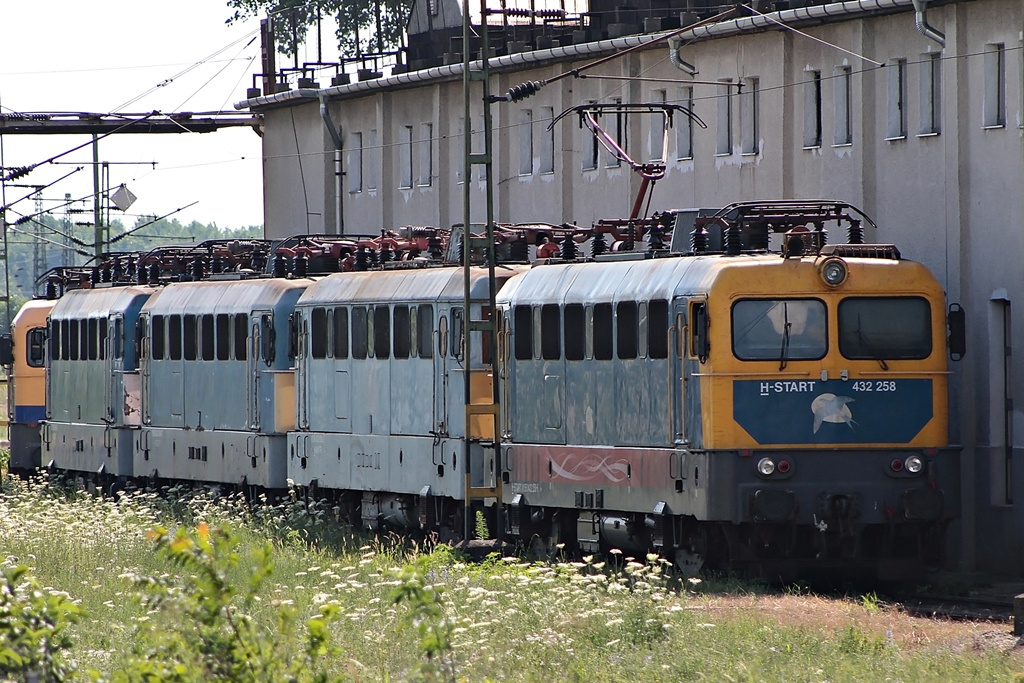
(520, 92)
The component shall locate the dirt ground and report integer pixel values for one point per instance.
(886, 620)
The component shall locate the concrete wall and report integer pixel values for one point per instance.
(951, 198)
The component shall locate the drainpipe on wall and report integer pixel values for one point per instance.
(339, 215)
(678, 62)
(921, 21)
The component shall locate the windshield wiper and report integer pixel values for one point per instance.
(863, 339)
(784, 352)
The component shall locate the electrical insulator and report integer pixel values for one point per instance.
(362, 259)
(301, 265)
(568, 251)
(523, 90)
(280, 266)
(599, 245)
(154, 273)
(856, 232)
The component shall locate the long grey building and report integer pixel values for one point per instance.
(913, 111)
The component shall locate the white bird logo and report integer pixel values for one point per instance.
(831, 408)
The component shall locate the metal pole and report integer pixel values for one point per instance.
(97, 215)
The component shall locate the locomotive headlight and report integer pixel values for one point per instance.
(766, 466)
(833, 272)
(914, 464)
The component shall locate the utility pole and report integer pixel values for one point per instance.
(483, 477)
(39, 265)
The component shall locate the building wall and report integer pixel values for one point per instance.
(946, 187)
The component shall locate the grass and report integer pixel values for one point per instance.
(622, 619)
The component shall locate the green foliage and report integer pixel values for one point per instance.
(5, 461)
(209, 632)
(481, 530)
(427, 617)
(357, 21)
(34, 622)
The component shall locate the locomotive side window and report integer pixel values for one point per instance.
(575, 337)
(885, 328)
(700, 340)
(207, 337)
(268, 339)
(36, 343)
(83, 337)
(174, 337)
(223, 336)
(550, 336)
(382, 332)
(524, 332)
(74, 339)
(93, 341)
(318, 333)
(156, 347)
(359, 332)
(118, 338)
(779, 329)
(626, 329)
(191, 332)
(340, 333)
(603, 332)
(657, 329)
(425, 330)
(402, 332)
(55, 340)
(241, 336)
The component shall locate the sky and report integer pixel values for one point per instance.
(100, 55)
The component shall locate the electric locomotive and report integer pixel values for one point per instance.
(776, 413)
(24, 353)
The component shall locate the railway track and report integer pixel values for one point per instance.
(997, 610)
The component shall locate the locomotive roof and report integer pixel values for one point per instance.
(394, 286)
(241, 296)
(614, 280)
(99, 302)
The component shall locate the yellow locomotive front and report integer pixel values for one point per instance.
(823, 384)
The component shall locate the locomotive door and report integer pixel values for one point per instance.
(253, 371)
(301, 368)
(144, 365)
(677, 373)
(113, 365)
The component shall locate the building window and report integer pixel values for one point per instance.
(621, 138)
(426, 155)
(591, 148)
(896, 128)
(371, 160)
(749, 114)
(994, 105)
(526, 142)
(405, 158)
(656, 142)
(547, 140)
(355, 162)
(812, 110)
(684, 126)
(844, 114)
(931, 93)
(723, 141)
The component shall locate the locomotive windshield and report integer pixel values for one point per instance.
(889, 328)
(779, 329)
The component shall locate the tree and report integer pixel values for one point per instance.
(363, 26)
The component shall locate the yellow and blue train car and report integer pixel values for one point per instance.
(26, 389)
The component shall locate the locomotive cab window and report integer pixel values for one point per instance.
(174, 337)
(382, 332)
(36, 344)
(156, 346)
(627, 329)
(779, 329)
(340, 333)
(885, 328)
(318, 333)
(223, 336)
(657, 329)
(458, 329)
(359, 332)
(191, 331)
(93, 341)
(425, 330)
(402, 331)
(55, 340)
(550, 340)
(206, 348)
(241, 336)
